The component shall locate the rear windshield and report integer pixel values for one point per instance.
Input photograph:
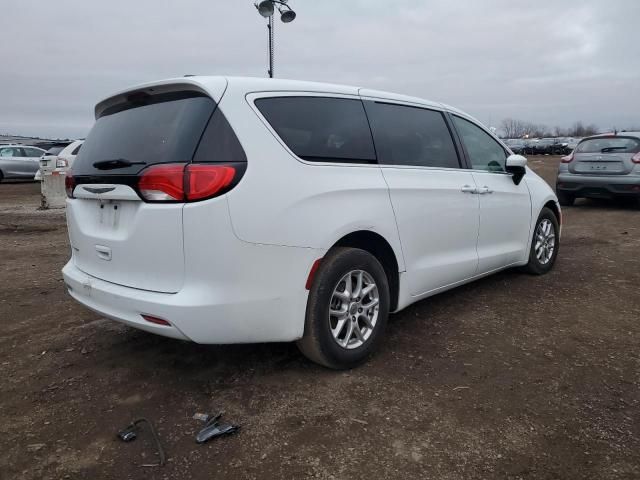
(145, 130)
(609, 145)
(54, 150)
(321, 129)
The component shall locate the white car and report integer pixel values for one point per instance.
(58, 159)
(237, 210)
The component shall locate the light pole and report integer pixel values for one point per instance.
(266, 8)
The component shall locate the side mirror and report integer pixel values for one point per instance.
(516, 166)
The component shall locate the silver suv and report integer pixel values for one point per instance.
(602, 166)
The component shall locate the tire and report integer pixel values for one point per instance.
(1, 176)
(539, 260)
(338, 351)
(565, 199)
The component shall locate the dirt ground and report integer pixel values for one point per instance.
(513, 376)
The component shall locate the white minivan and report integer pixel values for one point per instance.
(238, 210)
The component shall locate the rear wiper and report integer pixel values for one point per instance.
(611, 149)
(115, 163)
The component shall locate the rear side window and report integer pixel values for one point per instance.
(32, 152)
(76, 150)
(146, 130)
(321, 129)
(411, 136)
(609, 145)
(219, 142)
(484, 152)
(54, 150)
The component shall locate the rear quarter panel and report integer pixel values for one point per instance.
(283, 200)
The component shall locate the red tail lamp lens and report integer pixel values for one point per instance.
(163, 183)
(179, 182)
(205, 181)
(69, 183)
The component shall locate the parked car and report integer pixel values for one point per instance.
(530, 146)
(602, 166)
(560, 146)
(549, 146)
(240, 210)
(19, 161)
(516, 145)
(59, 159)
(48, 159)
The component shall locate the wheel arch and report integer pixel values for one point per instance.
(380, 248)
(553, 206)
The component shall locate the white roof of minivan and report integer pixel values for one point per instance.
(261, 84)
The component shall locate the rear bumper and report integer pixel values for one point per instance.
(251, 309)
(599, 186)
(119, 303)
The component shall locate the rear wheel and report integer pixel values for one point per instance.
(347, 309)
(565, 199)
(545, 244)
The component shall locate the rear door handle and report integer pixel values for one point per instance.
(484, 190)
(469, 189)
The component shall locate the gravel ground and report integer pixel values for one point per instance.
(513, 376)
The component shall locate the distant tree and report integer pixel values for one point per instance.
(580, 130)
(591, 129)
(559, 132)
(513, 128)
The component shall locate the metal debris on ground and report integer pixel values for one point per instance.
(129, 434)
(213, 428)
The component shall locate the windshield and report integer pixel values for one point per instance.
(609, 144)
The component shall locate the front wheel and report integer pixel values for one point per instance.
(347, 309)
(545, 243)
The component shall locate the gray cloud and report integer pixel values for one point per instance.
(548, 61)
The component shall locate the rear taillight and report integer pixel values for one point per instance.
(636, 158)
(61, 163)
(69, 183)
(567, 159)
(205, 181)
(178, 182)
(163, 183)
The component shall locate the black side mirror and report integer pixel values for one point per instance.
(516, 166)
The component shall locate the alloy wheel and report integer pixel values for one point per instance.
(353, 309)
(545, 239)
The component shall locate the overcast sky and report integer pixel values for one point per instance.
(551, 62)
